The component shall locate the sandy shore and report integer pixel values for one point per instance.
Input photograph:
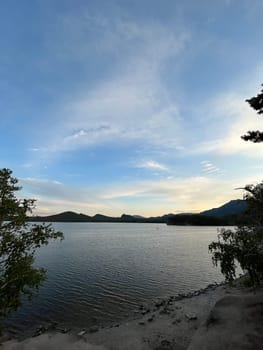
(164, 325)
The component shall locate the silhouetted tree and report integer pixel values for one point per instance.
(244, 244)
(256, 103)
(18, 242)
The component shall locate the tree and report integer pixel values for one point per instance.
(256, 103)
(18, 242)
(244, 245)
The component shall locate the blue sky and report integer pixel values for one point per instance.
(130, 106)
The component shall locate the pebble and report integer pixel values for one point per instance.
(177, 320)
(191, 316)
(65, 330)
(151, 318)
(82, 332)
(94, 329)
(164, 312)
(146, 311)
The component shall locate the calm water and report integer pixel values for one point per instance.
(102, 271)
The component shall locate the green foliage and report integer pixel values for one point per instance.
(257, 104)
(18, 243)
(244, 245)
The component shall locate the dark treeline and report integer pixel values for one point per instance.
(227, 214)
(179, 219)
(203, 220)
(75, 217)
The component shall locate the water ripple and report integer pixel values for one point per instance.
(100, 272)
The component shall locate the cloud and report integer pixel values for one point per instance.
(119, 36)
(152, 165)
(53, 196)
(208, 167)
(47, 206)
(34, 149)
(132, 103)
(146, 197)
(177, 194)
(123, 110)
(226, 117)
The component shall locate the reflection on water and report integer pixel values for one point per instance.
(101, 271)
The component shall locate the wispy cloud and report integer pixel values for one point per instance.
(208, 167)
(53, 196)
(146, 197)
(176, 195)
(226, 117)
(34, 149)
(133, 103)
(152, 165)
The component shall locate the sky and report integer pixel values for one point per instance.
(130, 106)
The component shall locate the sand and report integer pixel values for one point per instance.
(178, 322)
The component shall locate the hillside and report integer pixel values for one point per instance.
(227, 214)
(70, 216)
(234, 207)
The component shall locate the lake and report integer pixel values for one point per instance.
(101, 272)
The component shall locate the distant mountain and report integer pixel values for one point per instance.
(102, 218)
(138, 216)
(227, 214)
(67, 216)
(70, 216)
(234, 207)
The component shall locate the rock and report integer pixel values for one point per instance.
(191, 316)
(81, 333)
(171, 299)
(196, 293)
(146, 311)
(181, 295)
(65, 330)
(150, 319)
(165, 345)
(141, 323)
(4, 338)
(37, 333)
(94, 329)
(159, 303)
(53, 325)
(177, 320)
(164, 311)
(40, 330)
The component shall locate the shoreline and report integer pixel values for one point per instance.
(142, 309)
(167, 323)
(137, 313)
